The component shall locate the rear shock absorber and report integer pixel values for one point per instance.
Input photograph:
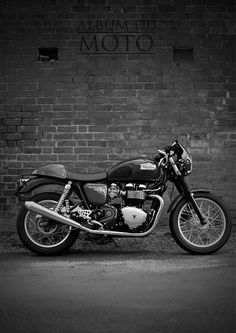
(63, 196)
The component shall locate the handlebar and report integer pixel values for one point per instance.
(174, 148)
(163, 157)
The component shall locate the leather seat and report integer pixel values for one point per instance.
(86, 177)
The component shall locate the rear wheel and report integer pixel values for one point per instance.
(194, 237)
(41, 234)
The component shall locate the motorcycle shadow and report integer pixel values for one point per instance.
(103, 254)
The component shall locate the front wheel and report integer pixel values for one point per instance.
(41, 234)
(194, 237)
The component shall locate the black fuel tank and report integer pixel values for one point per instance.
(136, 169)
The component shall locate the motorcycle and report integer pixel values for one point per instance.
(125, 201)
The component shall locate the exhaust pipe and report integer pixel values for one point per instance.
(36, 208)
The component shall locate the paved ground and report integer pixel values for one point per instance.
(142, 286)
(160, 241)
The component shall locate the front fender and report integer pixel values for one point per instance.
(180, 196)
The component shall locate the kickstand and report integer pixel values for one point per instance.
(116, 245)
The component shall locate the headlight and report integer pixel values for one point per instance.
(187, 162)
(184, 158)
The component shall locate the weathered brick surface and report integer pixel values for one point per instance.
(90, 111)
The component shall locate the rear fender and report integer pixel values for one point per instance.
(24, 191)
(181, 196)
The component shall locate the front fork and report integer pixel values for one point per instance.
(183, 188)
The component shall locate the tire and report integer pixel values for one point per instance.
(195, 238)
(41, 234)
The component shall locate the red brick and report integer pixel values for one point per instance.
(66, 143)
(64, 107)
(47, 158)
(27, 157)
(31, 136)
(83, 150)
(67, 157)
(66, 100)
(67, 129)
(61, 121)
(97, 143)
(62, 136)
(45, 100)
(63, 150)
(26, 129)
(12, 136)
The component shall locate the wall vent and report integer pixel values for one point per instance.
(47, 54)
(183, 55)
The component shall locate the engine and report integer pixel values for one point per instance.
(130, 214)
(132, 194)
(119, 208)
(133, 217)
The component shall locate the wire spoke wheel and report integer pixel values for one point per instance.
(42, 234)
(44, 231)
(195, 237)
(202, 235)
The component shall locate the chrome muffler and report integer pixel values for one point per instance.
(36, 208)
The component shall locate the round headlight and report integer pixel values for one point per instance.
(188, 165)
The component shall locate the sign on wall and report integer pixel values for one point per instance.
(116, 36)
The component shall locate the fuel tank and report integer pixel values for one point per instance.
(136, 169)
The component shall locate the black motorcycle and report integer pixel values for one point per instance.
(126, 201)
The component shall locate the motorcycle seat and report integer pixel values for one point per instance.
(59, 171)
(86, 177)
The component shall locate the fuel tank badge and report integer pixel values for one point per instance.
(148, 166)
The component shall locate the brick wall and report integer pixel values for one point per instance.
(174, 78)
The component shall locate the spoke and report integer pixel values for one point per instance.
(216, 227)
(51, 241)
(208, 211)
(200, 238)
(190, 231)
(195, 235)
(186, 224)
(195, 239)
(192, 213)
(214, 215)
(200, 205)
(32, 221)
(209, 236)
(215, 231)
(59, 233)
(38, 237)
(217, 218)
(48, 239)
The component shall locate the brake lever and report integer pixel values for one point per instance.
(164, 159)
